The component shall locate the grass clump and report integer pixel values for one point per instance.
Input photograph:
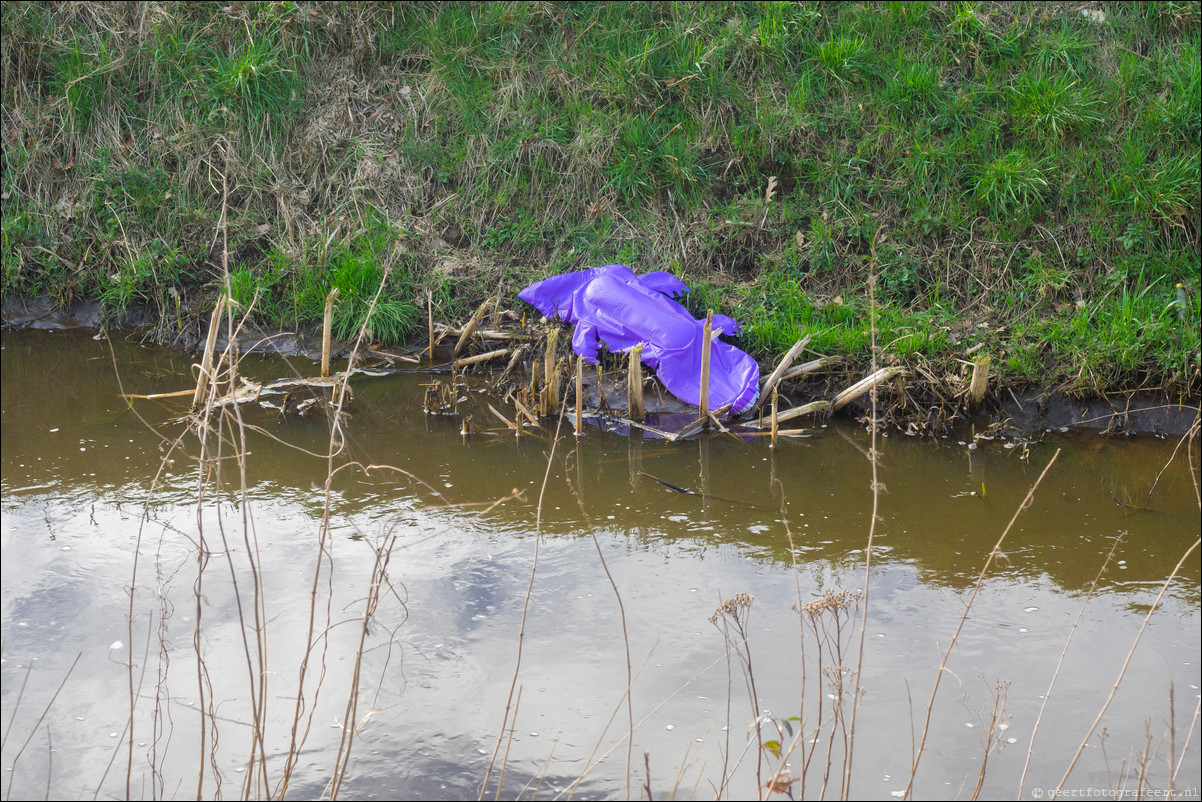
(1011, 183)
(1048, 108)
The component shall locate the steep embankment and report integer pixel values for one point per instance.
(976, 179)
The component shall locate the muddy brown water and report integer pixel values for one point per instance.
(628, 574)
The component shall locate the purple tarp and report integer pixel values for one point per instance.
(614, 306)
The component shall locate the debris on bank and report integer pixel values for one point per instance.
(637, 361)
(612, 307)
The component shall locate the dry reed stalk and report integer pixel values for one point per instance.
(1060, 663)
(525, 412)
(997, 549)
(849, 752)
(811, 366)
(551, 373)
(466, 334)
(707, 332)
(153, 396)
(478, 358)
(579, 394)
(634, 387)
(481, 333)
(1187, 437)
(780, 432)
(1127, 662)
(504, 419)
(301, 722)
(774, 419)
(785, 363)
(979, 384)
(430, 321)
(593, 761)
(327, 323)
(532, 391)
(33, 731)
(510, 708)
(378, 583)
(206, 364)
(864, 385)
(797, 412)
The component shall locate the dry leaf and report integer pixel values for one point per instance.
(779, 785)
(771, 191)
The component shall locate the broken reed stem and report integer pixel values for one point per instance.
(810, 367)
(549, 371)
(472, 360)
(704, 406)
(775, 395)
(525, 413)
(1060, 663)
(579, 393)
(797, 412)
(534, 377)
(466, 335)
(785, 363)
(327, 323)
(864, 385)
(206, 363)
(979, 384)
(1127, 662)
(947, 653)
(634, 387)
(430, 321)
(442, 330)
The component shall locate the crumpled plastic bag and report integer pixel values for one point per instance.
(612, 305)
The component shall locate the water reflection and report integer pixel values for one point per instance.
(78, 465)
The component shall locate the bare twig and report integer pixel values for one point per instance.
(1056, 673)
(964, 618)
(876, 499)
(34, 729)
(538, 517)
(1188, 436)
(1130, 653)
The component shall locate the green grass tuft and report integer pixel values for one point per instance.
(1012, 183)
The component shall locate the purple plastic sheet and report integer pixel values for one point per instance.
(612, 305)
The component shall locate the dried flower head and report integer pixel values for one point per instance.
(732, 606)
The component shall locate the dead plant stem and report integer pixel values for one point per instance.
(1193, 727)
(964, 618)
(34, 729)
(538, 517)
(845, 790)
(1130, 653)
(1093, 586)
(1188, 436)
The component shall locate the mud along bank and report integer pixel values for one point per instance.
(915, 401)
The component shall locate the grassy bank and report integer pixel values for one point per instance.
(1023, 176)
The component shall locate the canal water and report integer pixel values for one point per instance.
(420, 614)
